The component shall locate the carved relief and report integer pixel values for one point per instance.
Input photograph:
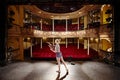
(14, 43)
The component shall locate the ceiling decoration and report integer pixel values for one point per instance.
(44, 14)
(59, 7)
(34, 2)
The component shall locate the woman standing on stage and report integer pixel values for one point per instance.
(59, 56)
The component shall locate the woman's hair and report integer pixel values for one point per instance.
(57, 40)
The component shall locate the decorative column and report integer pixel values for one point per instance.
(66, 42)
(85, 43)
(31, 21)
(21, 51)
(85, 22)
(66, 26)
(31, 49)
(78, 44)
(78, 23)
(53, 25)
(88, 46)
(41, 43)
(66, 32)
(53, 40)
(41, 24)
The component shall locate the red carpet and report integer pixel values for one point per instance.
(70, 52)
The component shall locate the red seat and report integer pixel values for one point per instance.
(71, 50)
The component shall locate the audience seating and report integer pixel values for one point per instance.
(70, 52)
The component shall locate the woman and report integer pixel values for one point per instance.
(59, 56)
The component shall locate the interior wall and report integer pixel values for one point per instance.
(15, 39)
(104, 8)
(105, 44)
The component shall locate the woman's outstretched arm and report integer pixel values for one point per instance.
(51, 46)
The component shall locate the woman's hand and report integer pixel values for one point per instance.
(52, 50)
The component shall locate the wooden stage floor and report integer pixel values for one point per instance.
(46, 70)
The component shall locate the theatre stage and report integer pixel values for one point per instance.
(46, 70)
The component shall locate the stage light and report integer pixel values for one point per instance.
(28, 38)
(39, 12)
(91, 39)
(96, 40)
(80, 12)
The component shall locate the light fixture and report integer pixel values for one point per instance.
(80, 12)
(91, 39)
(39, 12)
(108, 5)
(96, 39)
(40, 21)
(28, 38)
(52, 16)
(67, 16)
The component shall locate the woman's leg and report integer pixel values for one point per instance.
(58, 61)
(64, 63)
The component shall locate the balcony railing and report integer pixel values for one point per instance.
(38, 33)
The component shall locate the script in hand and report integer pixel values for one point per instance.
(51, 46)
